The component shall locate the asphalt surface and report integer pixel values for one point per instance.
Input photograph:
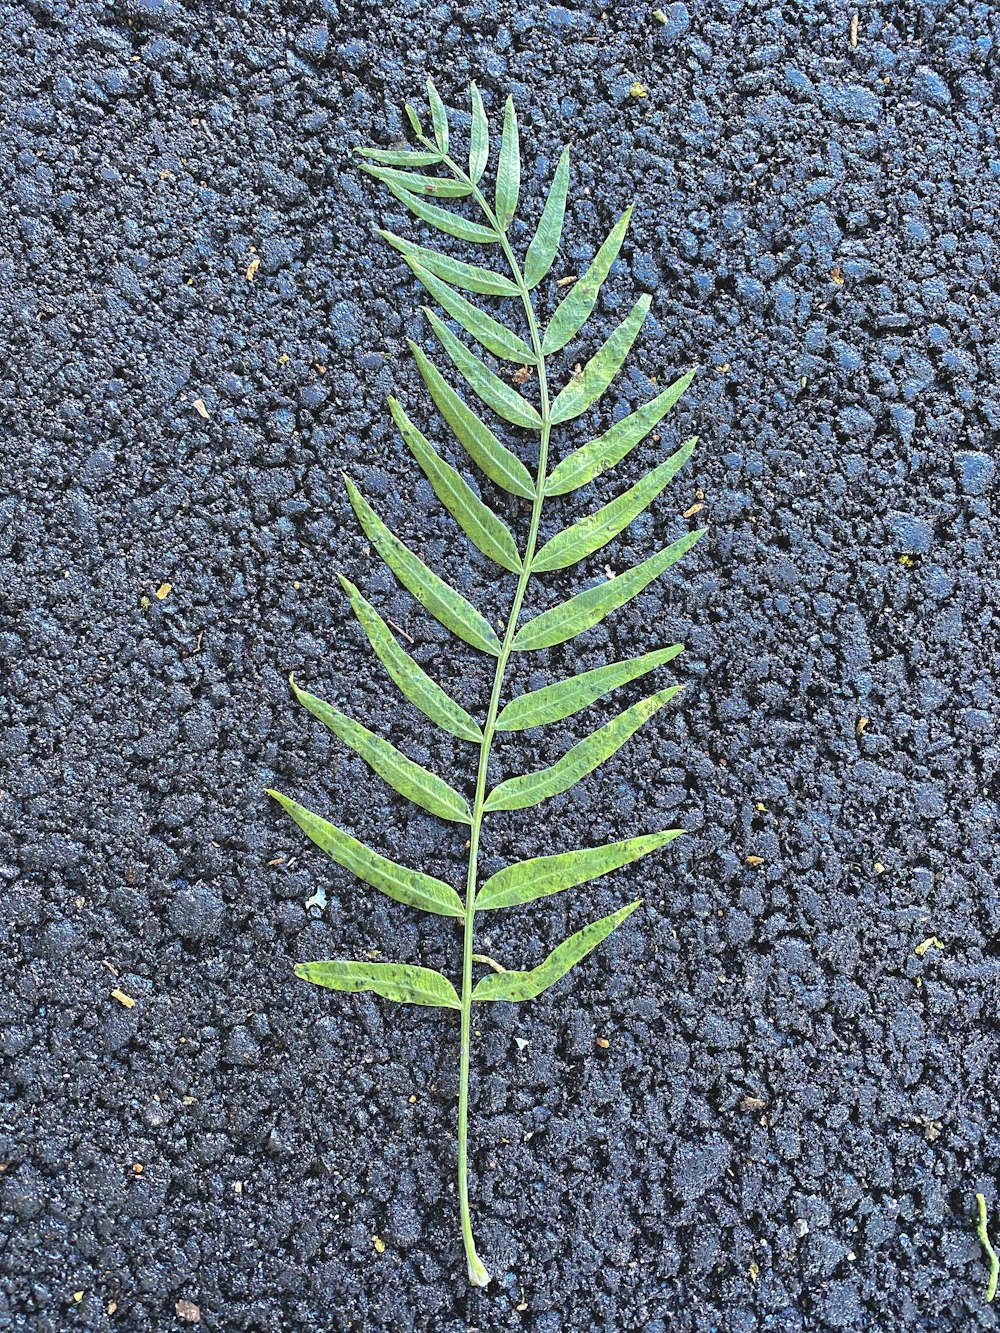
(797, 1102)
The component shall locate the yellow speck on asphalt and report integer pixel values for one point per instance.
(122, 998)
(164, 590)
(379, 1244)
(200, 408)
(932, 943)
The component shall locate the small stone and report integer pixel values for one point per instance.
(912, 535)
(196, 913)
(976, 472)
(852, 102)
(800, 1227)
(930, 88)
(242, 1048)
(312, 41)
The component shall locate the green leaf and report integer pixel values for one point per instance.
(576, 763)
(545, 243)
(589, 607)
(393, 981)
(508, 168)
(526, 985)
(399, 882)
(495, 393)
(589, 534)
(483, 327)
(544, 875)
(414, 120)
(402, 774)
(554, 702)
(411, 678)
(400, 157)
(596, 456)
(575, 307)
(469, 277)
(480, 524)
(439, 116)
(585, 388)
(483, 447)
(479, 142)
(412, 182)
(438, 597)
(444, 220)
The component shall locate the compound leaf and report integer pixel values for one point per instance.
(588, 608)
(469, 277)
(402, 774)
(453, 224)
(526, 985)
(585, 389)
(479, 141)
(583, 758)
(574, 309)
(439, 117)
(543, 875)
(483, 327)
(393, 981)
(495, 393)
(400, 157)
(589, 534)
(482, 446)
(411, 182)
(545, 242)
(483, 528)
(596, 456)
(410, 677)
(411, 887)
(508, 168)
(438, 597)
(554, 702)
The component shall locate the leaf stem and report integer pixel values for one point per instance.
(991, 1254)
(478, 1274)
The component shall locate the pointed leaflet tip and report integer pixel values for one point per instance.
(479, 137)
(439, 116)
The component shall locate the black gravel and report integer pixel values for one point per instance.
(795, 1108)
